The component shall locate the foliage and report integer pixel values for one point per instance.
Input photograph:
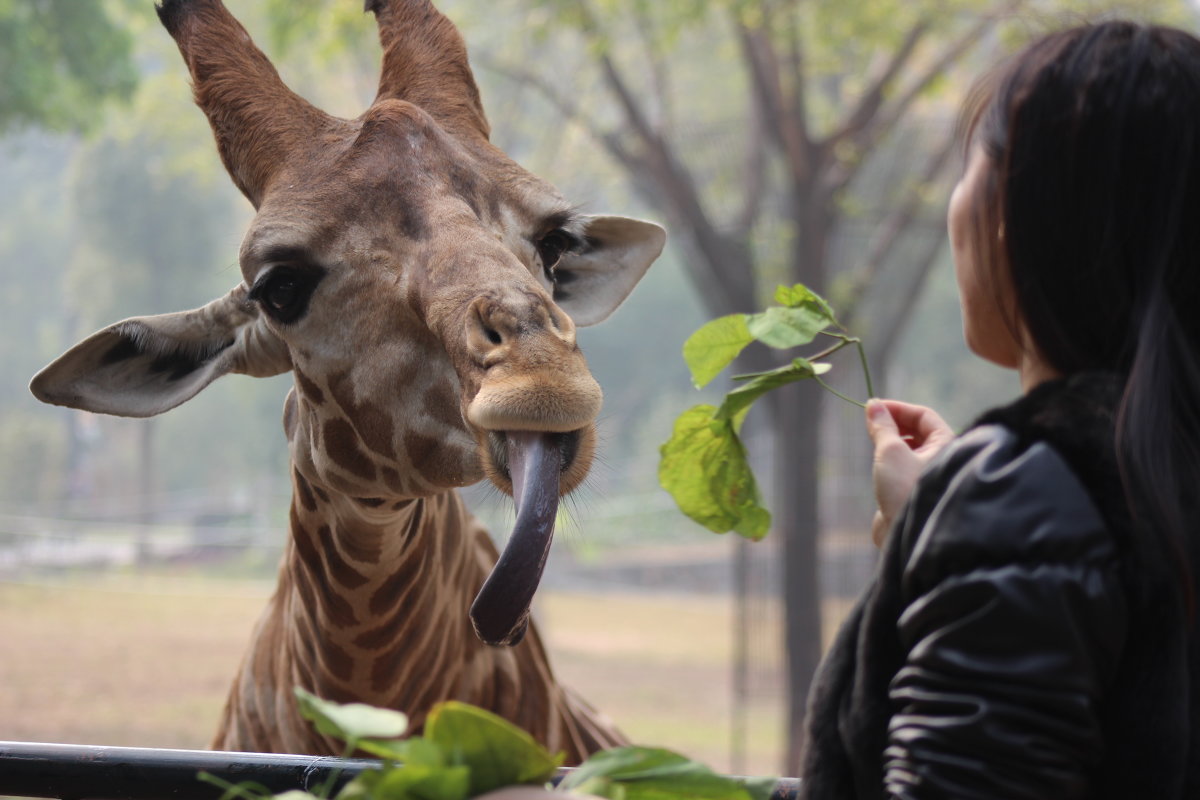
(644, 773)
(467, 752)
(59, 57)
(156, 252)
(704, 464)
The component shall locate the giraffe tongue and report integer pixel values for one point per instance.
(500, 612)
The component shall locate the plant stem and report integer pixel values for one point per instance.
(862, 356)
(837, 393)
(844, 340)
(324, 790)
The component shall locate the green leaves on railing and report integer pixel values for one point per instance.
(467, 752)
(642, 773)
(496, 752)
(350, 722)
(703, 465)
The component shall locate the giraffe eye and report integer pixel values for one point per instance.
(283, 293)
(551, 248)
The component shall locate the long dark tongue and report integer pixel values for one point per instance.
(500, 612)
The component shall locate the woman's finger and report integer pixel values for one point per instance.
(922, 424)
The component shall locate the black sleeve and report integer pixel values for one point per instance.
(1014, 620)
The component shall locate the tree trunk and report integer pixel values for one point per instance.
(796, 412)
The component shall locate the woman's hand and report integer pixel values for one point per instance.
(906, 438)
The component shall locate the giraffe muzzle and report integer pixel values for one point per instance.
(500, 613)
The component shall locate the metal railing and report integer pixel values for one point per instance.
(85, 772)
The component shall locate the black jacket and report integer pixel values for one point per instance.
(1018, 639)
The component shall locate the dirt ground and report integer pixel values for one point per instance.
(141, 661)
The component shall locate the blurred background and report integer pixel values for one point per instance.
(778, 140)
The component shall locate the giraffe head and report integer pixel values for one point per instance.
(423, 288)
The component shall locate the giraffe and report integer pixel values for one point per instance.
(424, 291)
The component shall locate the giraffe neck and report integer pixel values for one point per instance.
(372, 607)
(371, 583)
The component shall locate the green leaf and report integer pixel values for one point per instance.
(800, 296)
(714, 346)
(782, 328)
(351, 721)
(642, 773)
(759, 383)
(703, 466)
(409, 751)
(410, 782)
(497, 752)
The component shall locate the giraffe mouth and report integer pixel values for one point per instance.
(567, 446)
(534, 463)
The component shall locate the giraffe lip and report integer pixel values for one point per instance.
(499, 448)
(533, 461)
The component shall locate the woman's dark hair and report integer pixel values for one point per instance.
(1093, 136)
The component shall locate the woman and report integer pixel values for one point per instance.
(1031, 631)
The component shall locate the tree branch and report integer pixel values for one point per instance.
(571, 111)
(893, 227)
(886, 120)
(659, 75)
(872, 100)
(754, 183)
(796, 67)
(785, 121)
(889, 336)
(725, 274)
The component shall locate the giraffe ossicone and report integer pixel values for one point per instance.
(424, 290)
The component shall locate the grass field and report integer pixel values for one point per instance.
(146, 661)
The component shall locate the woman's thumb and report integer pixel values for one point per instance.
(879, 420)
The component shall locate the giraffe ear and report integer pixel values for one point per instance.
(592, 282)
(147, 365)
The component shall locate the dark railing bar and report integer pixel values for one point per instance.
(88, 772)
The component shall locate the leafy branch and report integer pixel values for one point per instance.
(468, 752)
(703, 465)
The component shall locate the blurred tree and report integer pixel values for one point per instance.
(60, 57)
(768, 131)
(150, 240)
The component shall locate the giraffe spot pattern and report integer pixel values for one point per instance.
(416, 683)
(393, 480)
(424, 452)
(311, 391)
(341, 444)
(370, 502)
(361, 546)
(339, 663)
(337, 566)
(441, 404)
(335, 607)
(304, 491)
(373, 425)
(391, 594)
